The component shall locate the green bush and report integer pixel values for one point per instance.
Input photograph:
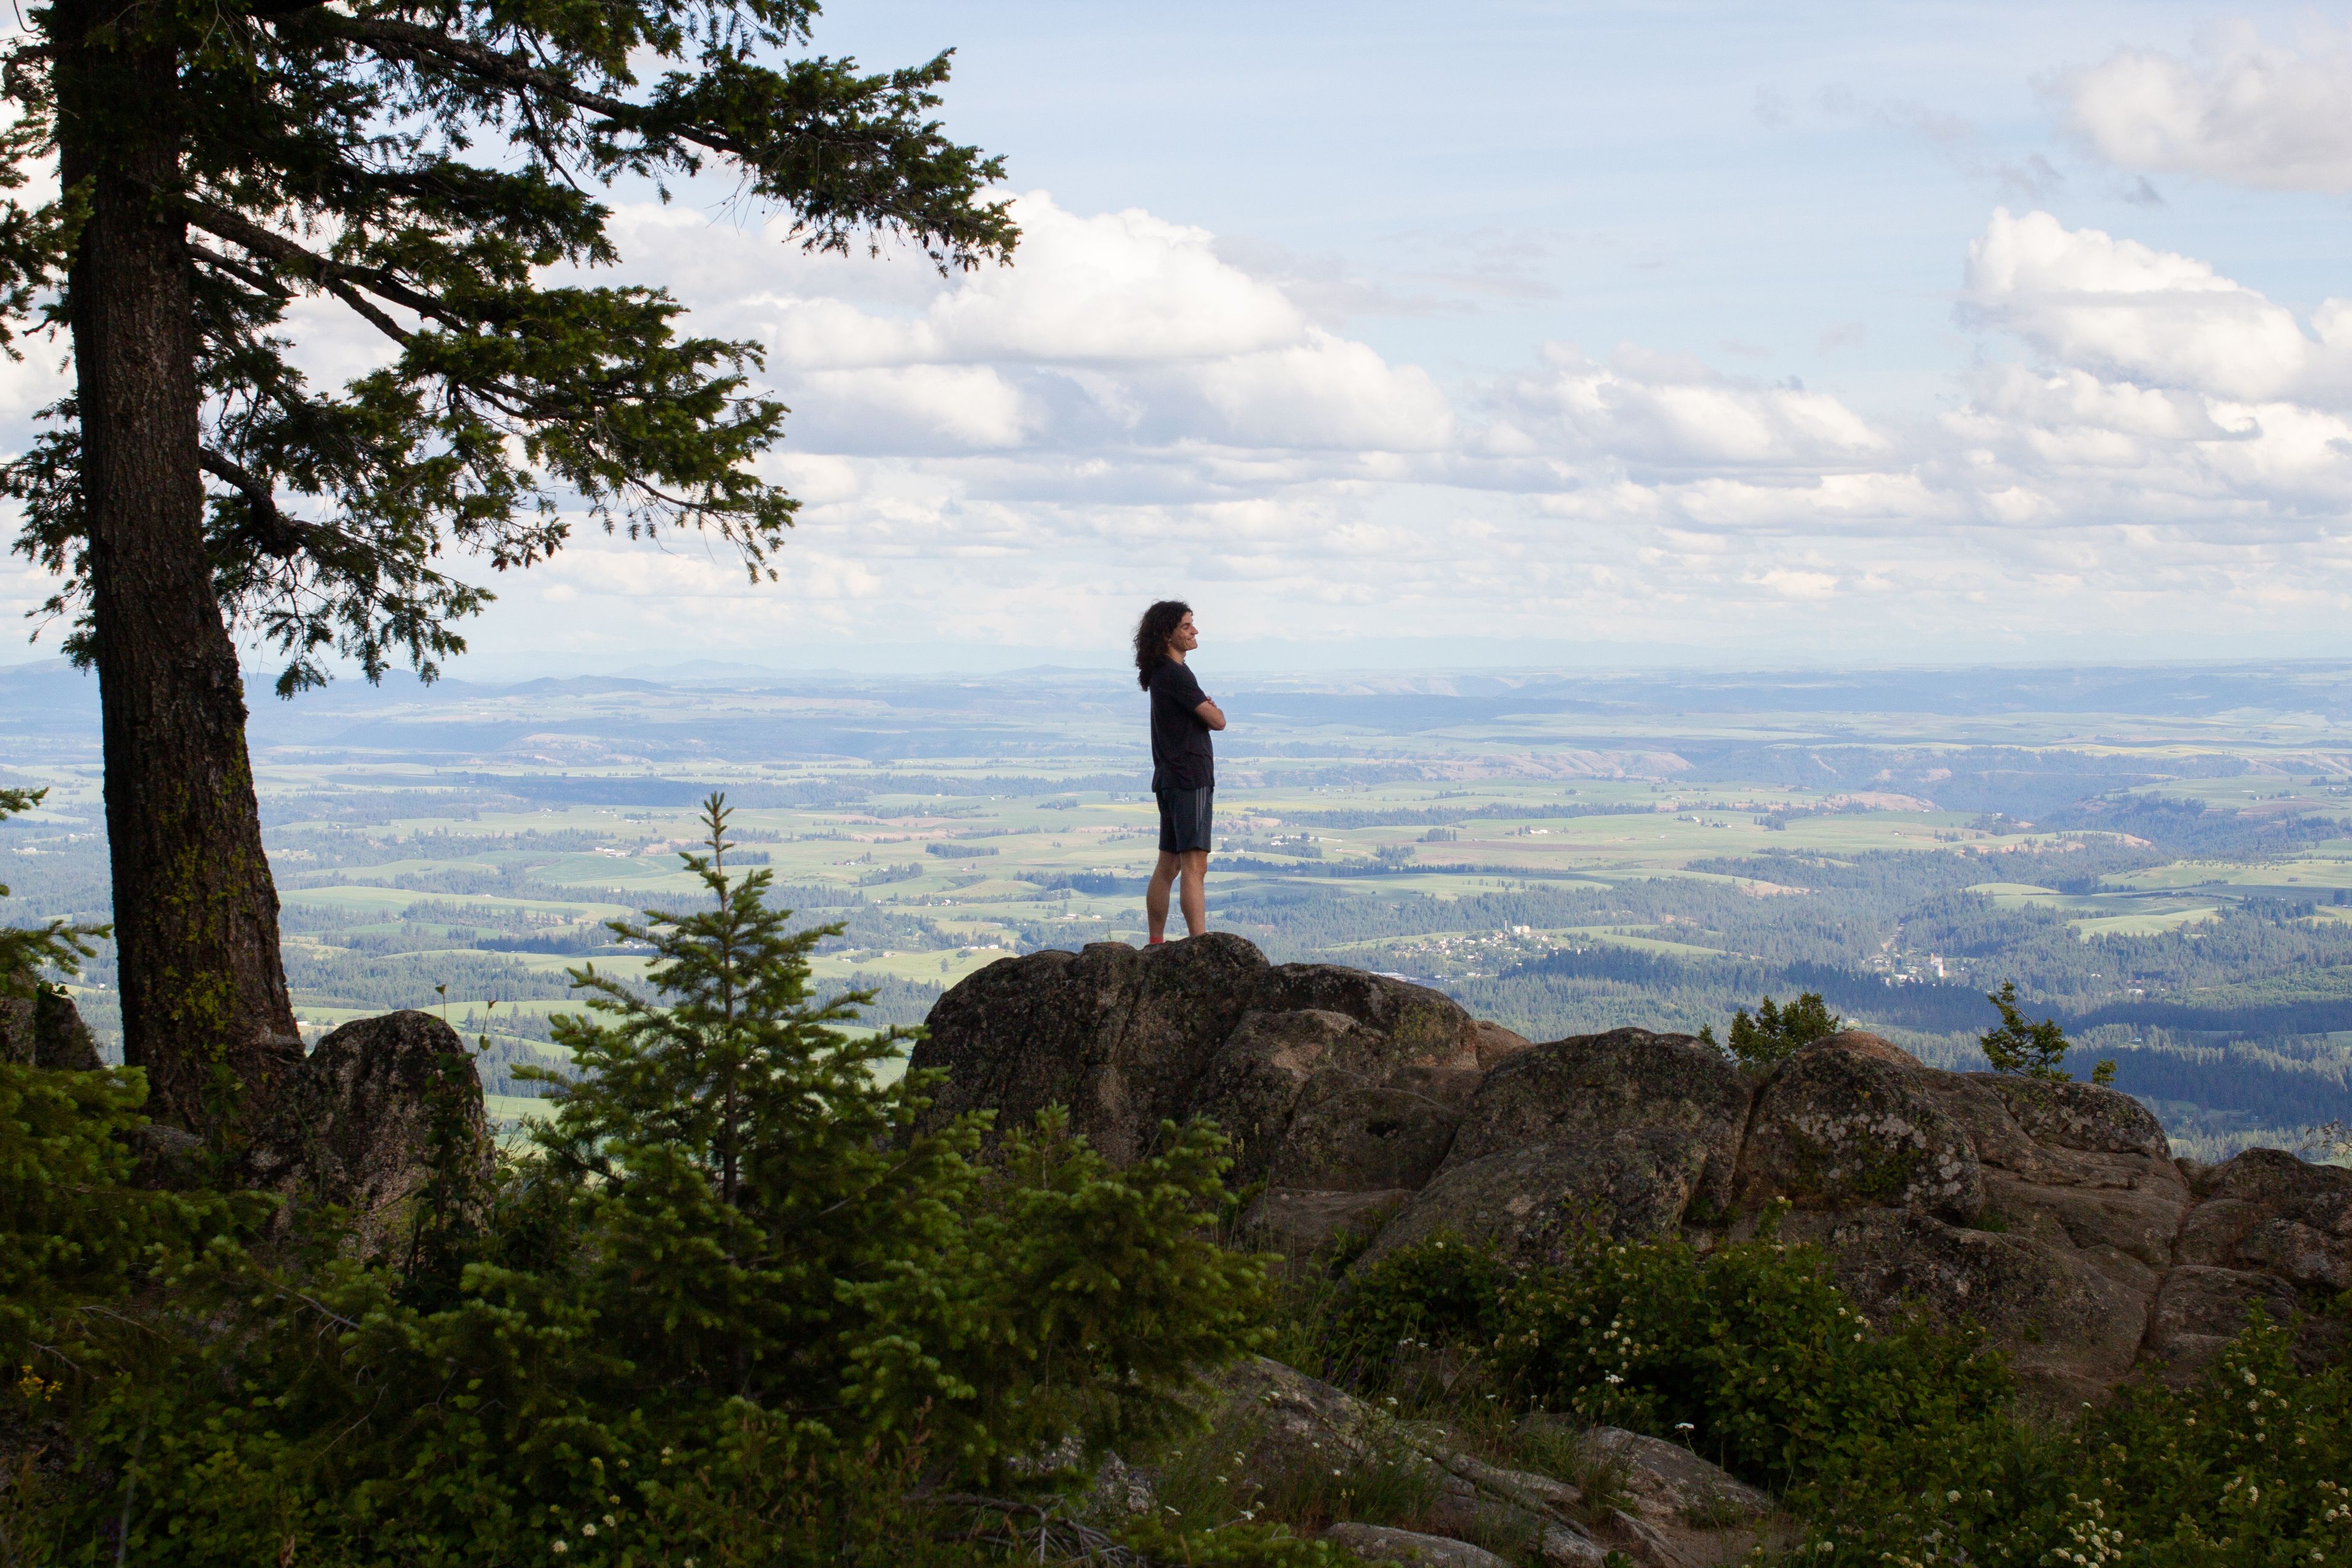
(77, 1241)
(1899, 1444)
(1749, 1353)
(732, 1309)
(1439, 1293)
(2250, 1465)
(1775, 1033)
(76, 1238)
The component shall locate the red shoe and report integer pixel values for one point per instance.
(1155, 941)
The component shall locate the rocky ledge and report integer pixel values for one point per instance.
(2053, 1213)
(1664, 1507)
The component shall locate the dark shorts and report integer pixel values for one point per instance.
(1183, 819)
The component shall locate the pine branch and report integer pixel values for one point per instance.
(252, 278)
(270, 530)
(268, 527)
(406, 42)
(339, 278)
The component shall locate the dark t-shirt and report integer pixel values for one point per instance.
(1179, 741)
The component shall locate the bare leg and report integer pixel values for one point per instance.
(1155, 895)
(1195, 892)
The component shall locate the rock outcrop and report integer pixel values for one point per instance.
(1334, 1079)
(2053, 1213)
(1385, 1543)
(1664, 1507)
(379, 1108)
(44, 1029)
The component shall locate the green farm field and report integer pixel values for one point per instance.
(2162, 860)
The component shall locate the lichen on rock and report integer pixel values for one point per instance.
(1836, 1127)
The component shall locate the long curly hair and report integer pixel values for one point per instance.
(1151, 634)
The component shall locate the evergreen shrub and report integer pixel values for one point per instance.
(1775, 1034)
(731, 1307)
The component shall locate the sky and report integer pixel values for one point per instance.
(1535, 334)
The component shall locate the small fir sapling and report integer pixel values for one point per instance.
(772, 1194)
(732, 1059)
(2031, 1051)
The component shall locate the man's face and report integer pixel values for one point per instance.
(1187, 636)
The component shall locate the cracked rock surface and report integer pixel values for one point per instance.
(2052, 1213)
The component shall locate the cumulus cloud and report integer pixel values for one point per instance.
(1116, 330)
(1021, 456)
(2163, 395)
(2242, 109)
(1676, 413)
(2085, 298)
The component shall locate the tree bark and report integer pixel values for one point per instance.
(205, 1007)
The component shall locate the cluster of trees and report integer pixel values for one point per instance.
(1772, 1034)
(731, 1307)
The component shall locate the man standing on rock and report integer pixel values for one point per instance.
(1183, 774)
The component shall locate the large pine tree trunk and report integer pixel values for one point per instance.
(204, 1008)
